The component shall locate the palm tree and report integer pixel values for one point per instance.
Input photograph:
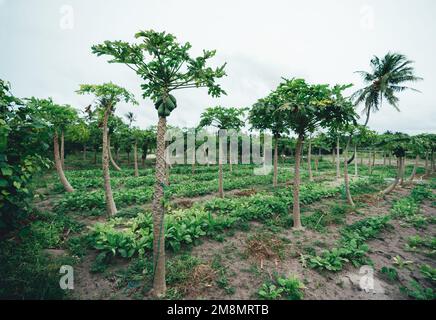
(387, 78)
(130, 117)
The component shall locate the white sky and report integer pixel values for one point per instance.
(324, 41)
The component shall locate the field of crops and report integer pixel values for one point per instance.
(264, 162)
(239, 247)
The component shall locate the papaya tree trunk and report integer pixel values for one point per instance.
(373, 158)
(427, 171)
(296, 204)
(333, 156)
(111, 209)
(193, 161)
(135, 155)
(110, 154)
(220, 173)
(159, 285)
(356, 173)
(63, 149)
(415, 166)
(230, 157)
(309, 160)
(390, 159)
(403, 170)
(58, 164)
(338, 161)
(346, 177)
(432, 162)
(276, 155)
(397, 179)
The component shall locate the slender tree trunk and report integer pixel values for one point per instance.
(333, 156)
(193, 161)
(356, 173)
(403, 170)
(84, 152)
(415, 166)
(63, 149)
(432, 162)
(370, 163)
(338, 161)
(276, 154)
(296, 204)
(58, 163)
(384, 158)
(373, 158)
(110, 154)
(230, 157)
(390, 159)
(111, 209)
(159, 285)
(135, 155)
(427, 171)
(220, 173)
(397, 178)
(309, 160)
(346, 178)
(316, 164)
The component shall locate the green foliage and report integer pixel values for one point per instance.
(418, 292)
(428, 272)
(387, 77)
(164, 65)
(390, 273)
(290, 288)
(23, 149)
(351, 247)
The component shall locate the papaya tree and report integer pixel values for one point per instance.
(264, 115)
(223, 119)
(58, 117)
(107, 96)
(165, 66)
(114, 126)
(148, 143)
(137, 136)
(306, 108)
(80, 133)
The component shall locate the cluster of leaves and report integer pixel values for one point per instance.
(22, 155)
(407, 209)
(290, 288)
(351, 247)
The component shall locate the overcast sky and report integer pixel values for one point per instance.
(46, 48)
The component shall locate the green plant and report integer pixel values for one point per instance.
(428, 272)
(270, 292)
(292, 287)
(391, 273)
(401, 263)
(418, 292)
